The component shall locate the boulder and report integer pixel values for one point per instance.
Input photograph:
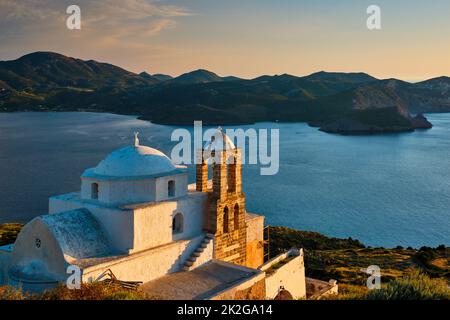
(420, 122)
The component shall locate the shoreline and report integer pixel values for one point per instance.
(371, 131)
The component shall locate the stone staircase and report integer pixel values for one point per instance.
(195, 259)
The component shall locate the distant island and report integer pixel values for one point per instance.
(343, 103)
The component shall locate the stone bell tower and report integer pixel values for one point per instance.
(226, 201)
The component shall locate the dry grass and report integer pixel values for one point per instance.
(10, 293)
(442, 263)
(93, 291)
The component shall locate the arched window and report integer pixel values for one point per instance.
(231, 174)
(236, 217)
(171, 189)
(225, 220)
(177, 223)
(94, 191)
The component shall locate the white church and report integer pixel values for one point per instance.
(136, 217)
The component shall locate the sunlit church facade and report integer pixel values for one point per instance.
(137, 217)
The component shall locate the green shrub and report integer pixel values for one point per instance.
(415, 286)
(283, 239)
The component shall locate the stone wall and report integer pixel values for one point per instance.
(226, 215)
(250, 289)
(317, 289)
(255, 241)
(255, 292)
(230, 246)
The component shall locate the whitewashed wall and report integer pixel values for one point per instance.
(153, 224)
(134, 191)
(148, 265)
(291, 276)
(117, 224)
(141, 228)
(181, 186)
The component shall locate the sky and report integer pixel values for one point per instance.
(245, 38)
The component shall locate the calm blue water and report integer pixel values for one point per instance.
(384, 190)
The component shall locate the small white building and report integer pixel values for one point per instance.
(137, 216)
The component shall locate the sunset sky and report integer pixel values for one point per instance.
(246, 38)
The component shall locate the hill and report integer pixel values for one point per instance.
(42, 70)
(197, 76)
(345, 103)
(156, 77)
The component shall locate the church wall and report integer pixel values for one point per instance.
(85, 191)
(37, 254)
(148, 265)
(131, 191)
(290, 276)
(135, 191)
(181, 186)
(117, 224)
(103, 187)
(229, 246)
(255, 241)
(250, 289)
(153, 224)
(121, 191)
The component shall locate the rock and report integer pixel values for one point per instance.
(315, 123)
(420, 122)
(348, 126)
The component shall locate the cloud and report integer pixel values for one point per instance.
(107, 25)
(106, 9)
(127, 33)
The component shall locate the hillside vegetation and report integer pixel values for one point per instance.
(325, 258)
(413, 286)
(345, 259)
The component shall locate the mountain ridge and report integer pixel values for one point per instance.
(44, 81)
